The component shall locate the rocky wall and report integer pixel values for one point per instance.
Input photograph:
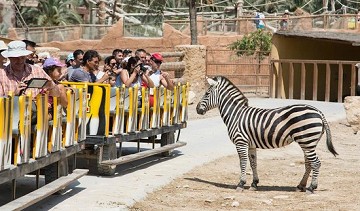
(195, 68)
(352, 104)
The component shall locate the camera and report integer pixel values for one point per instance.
(143, 68)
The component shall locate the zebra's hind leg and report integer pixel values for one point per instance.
(315, 167)
(253, 164)
(242, 152)
(302, 186)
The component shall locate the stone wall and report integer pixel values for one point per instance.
(195, 68)
(352, 104)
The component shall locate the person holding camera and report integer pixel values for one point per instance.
(136, 74)
(14, 76)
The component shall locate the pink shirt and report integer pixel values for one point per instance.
(9, 82)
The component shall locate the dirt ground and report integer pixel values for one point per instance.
(212, 186)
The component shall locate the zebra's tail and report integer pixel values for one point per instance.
(329, 144)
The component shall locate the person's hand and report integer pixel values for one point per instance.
(165, 75)
(20, 88)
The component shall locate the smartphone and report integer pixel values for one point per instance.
(36, 83)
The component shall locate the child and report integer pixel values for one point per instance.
(112, 79)
(53, 68)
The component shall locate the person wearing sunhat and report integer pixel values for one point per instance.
(14, 76)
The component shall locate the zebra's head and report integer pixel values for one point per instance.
(210, 99)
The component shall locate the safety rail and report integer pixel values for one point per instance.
(115, 115)
(31, 141)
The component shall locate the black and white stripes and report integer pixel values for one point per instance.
(250, 128)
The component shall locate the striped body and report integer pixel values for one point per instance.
(274, 128)
(250, 128)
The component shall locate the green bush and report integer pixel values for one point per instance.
(256, 42)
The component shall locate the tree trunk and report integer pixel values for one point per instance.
(193, 22)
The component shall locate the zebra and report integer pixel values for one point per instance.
(250, 128)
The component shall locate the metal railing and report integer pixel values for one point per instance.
(206, 25)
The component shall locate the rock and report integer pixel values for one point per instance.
(209, 200)
(186, 186)
(292, 164)
(268, 202)
(235, 204)
(229, 198)
(281, 197)
(351, 105)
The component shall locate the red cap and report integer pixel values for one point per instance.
(157, 56)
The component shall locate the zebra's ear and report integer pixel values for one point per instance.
(211, 81)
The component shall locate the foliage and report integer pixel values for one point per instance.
(255, 42)
(52, 13)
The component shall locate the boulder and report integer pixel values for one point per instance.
(352, 109)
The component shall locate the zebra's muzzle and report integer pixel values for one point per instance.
(199, 110)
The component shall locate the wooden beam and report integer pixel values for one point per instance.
(327, 82)
(46, 190)
(303, 82)
(291, 81)
(340, 82)
(315, 81)
(143, 154)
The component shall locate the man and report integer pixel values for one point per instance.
(14, 76)
(119, 56)
(78, 57)
(30, 46)
(90, 64)
(141, 53)
(159, 77)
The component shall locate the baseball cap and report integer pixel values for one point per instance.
(52, 62)
(70, 57)
(157, 57)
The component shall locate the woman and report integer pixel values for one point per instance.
(136, 75)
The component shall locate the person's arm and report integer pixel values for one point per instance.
(52, 88)
(63, 97)
(126, 79)
(166, 81)
(148, 80)
(103, 78)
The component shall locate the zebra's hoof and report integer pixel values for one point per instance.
(253, 188)
(239, 189)
(309, 191)
(300, 189)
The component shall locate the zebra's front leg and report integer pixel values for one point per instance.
(253, 164)
(243, 154)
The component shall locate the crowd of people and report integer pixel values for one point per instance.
(20, 63)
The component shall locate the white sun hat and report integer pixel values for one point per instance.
(16, 49)
(3, 46)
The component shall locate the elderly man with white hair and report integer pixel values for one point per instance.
(14, 76)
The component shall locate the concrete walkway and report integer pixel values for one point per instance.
(206, 139)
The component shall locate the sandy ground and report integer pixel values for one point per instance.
(212, 186)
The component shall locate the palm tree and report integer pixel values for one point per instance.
(52, 13)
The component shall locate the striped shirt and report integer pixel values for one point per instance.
(9, 81)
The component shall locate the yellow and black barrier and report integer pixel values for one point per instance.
(97, 107)
(21, 131)
(6, 103)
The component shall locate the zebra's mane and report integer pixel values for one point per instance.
(244, 99)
